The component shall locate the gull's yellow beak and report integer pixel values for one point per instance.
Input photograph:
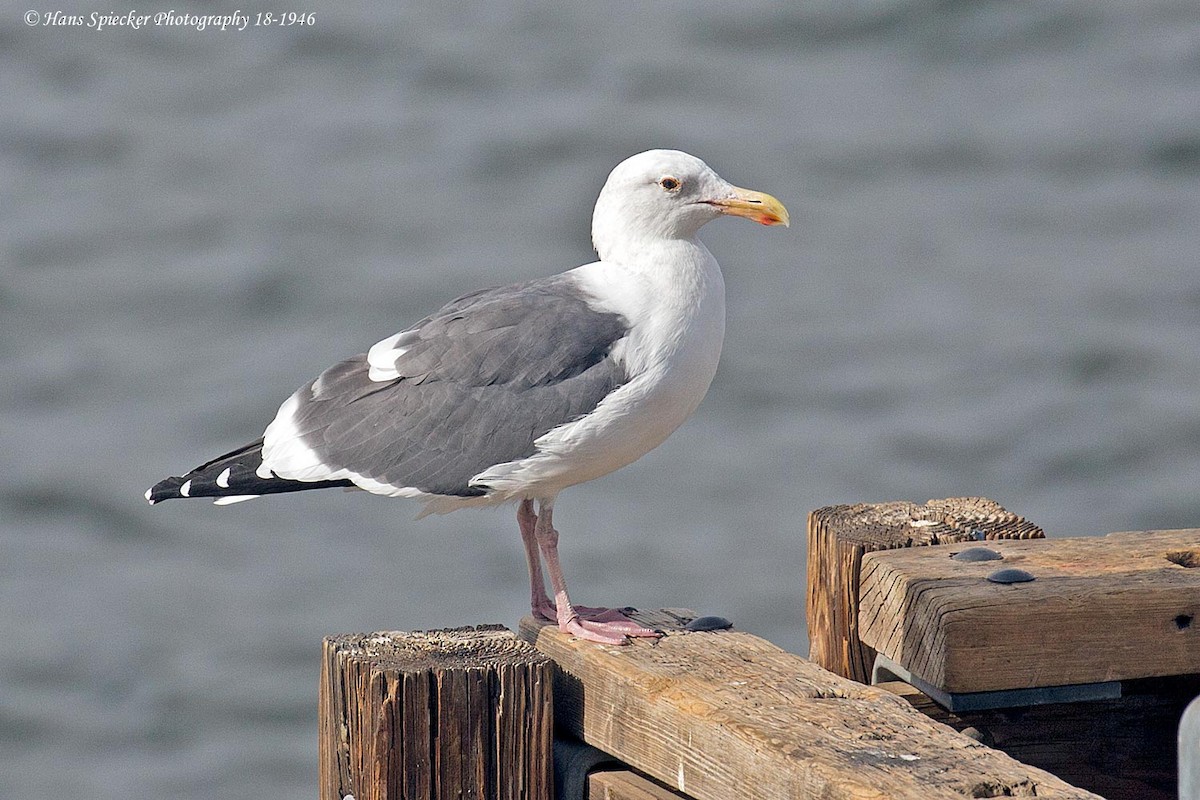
(758, 206)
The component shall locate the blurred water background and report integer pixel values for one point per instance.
(989, 287)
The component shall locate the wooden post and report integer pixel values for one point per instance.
(440, 714)
(723, 714)
(839, 535)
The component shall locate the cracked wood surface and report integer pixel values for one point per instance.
(454, 713)
(1105, 608)
(1123, 748)
(838, 536)
(728, 715)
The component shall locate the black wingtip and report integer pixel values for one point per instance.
(164, 490)
(237, 480)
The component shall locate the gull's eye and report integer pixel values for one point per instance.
(670, 184)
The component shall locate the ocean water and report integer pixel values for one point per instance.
(990, 287)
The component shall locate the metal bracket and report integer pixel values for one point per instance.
(885, 669)
(1189, 752)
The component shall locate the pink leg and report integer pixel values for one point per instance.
(613, 627)
(539, 601)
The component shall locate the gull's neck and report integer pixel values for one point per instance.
(665, 272)
(672, 294)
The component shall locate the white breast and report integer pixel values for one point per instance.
(674, 301)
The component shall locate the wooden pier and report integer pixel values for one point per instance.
(985, 688)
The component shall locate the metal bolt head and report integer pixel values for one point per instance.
(1010, 575)
(708, 624)
(977, 554)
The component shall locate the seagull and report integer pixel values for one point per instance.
(513, 394)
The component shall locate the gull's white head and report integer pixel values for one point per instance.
(667, 194)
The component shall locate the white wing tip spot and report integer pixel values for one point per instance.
(382, 357)
(223, 478)
(382, 375)
(186, 489)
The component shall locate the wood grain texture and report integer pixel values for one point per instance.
(728, 715)
(838, 536)
(1123, 749)
(1107, 608)
(624, 784)
(438, 714)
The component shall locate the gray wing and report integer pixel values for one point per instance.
(476, 384)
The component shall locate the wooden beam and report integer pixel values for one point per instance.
(1123, 749)
(838, 536)
(623, 784)
(438, 714)
(1106, 608)
(728, 715)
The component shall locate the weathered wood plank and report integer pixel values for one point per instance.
(728, 715)
(838, 536)
(1123, 749)
(623, 784)
(1107, 608)
(437, 714)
